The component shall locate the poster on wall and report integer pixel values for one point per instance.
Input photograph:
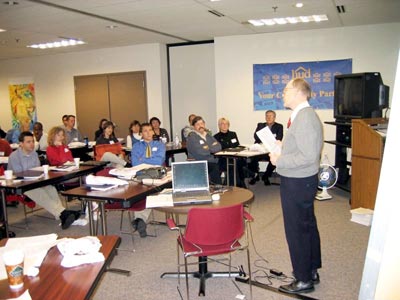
(269, 80)
(23, 103)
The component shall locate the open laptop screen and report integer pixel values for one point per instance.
(189, 176)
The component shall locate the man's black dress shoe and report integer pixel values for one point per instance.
(297, 286)
(315, 276)
(254, 179)
(266, 181)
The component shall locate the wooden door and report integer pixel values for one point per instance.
(92, 104)
(119, 97)
(127, 100)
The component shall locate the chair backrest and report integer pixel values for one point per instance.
(214, 226)
(99, 150)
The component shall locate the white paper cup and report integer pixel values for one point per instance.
(77, 161)
(8, 174)
(14, 262)
(45, 169)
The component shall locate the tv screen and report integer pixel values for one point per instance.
(350, 93)
(359, 95)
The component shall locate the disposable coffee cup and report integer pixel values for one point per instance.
(45, 169)
(77, 161)
(8, 174)
(14, 262)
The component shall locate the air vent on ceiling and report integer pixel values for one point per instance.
(340, 9)
(216, 13)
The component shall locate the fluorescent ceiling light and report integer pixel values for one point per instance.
(256, 22)
(63, 43)
(305, 19)
(290, 20)
(280, 21)
(299, 5)
(2, 30)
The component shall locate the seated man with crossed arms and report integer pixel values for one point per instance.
(147, 151)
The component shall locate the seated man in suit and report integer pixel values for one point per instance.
(146, 151)
(202, 146)
(25, 158)
(277, 130)
(229, 139)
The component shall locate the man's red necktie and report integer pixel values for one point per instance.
(289, 122)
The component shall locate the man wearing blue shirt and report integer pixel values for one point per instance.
(151, 152)
(148, 151)
(25, 158)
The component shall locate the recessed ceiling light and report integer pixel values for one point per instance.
(290, 20)
(111, 26)
(57, 44)
(299, 5)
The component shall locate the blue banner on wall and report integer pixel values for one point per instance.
(271, 79)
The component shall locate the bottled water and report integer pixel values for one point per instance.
(177, 141)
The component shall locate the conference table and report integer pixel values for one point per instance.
(131, 193)
(234, 156)
(53, 177)
(58, 283)
(232, 196)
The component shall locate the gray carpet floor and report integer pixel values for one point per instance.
(343, 243)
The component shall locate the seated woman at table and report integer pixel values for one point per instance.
(134, 135)
(57, 151)
(99, 131)
(114, 155)
(159, 133)
(229, 139)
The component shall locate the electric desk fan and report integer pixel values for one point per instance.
(327, 178)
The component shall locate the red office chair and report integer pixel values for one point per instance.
(209, 232)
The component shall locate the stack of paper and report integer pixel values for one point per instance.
(362, 216)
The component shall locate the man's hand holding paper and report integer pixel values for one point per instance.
(269, 141)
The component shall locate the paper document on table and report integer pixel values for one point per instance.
(268, 139)
(35, 249)
(161, 200)
(129, 173)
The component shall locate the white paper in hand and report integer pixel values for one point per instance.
(268, 139)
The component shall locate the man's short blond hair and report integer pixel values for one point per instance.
(302, 85)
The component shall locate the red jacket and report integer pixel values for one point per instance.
(5, 147)
(58, 155)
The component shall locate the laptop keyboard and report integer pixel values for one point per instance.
(194, 194)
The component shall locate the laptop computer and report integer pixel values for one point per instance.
(190, 183)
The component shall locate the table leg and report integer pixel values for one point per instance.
(5, 217)
(103, 218)
(227, 172)
(91, 223)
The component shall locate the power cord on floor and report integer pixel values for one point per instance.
(263, 272)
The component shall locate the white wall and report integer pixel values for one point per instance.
(53, 78)
(372, 48)
(193, 85)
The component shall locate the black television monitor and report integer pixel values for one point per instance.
(360, 95)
